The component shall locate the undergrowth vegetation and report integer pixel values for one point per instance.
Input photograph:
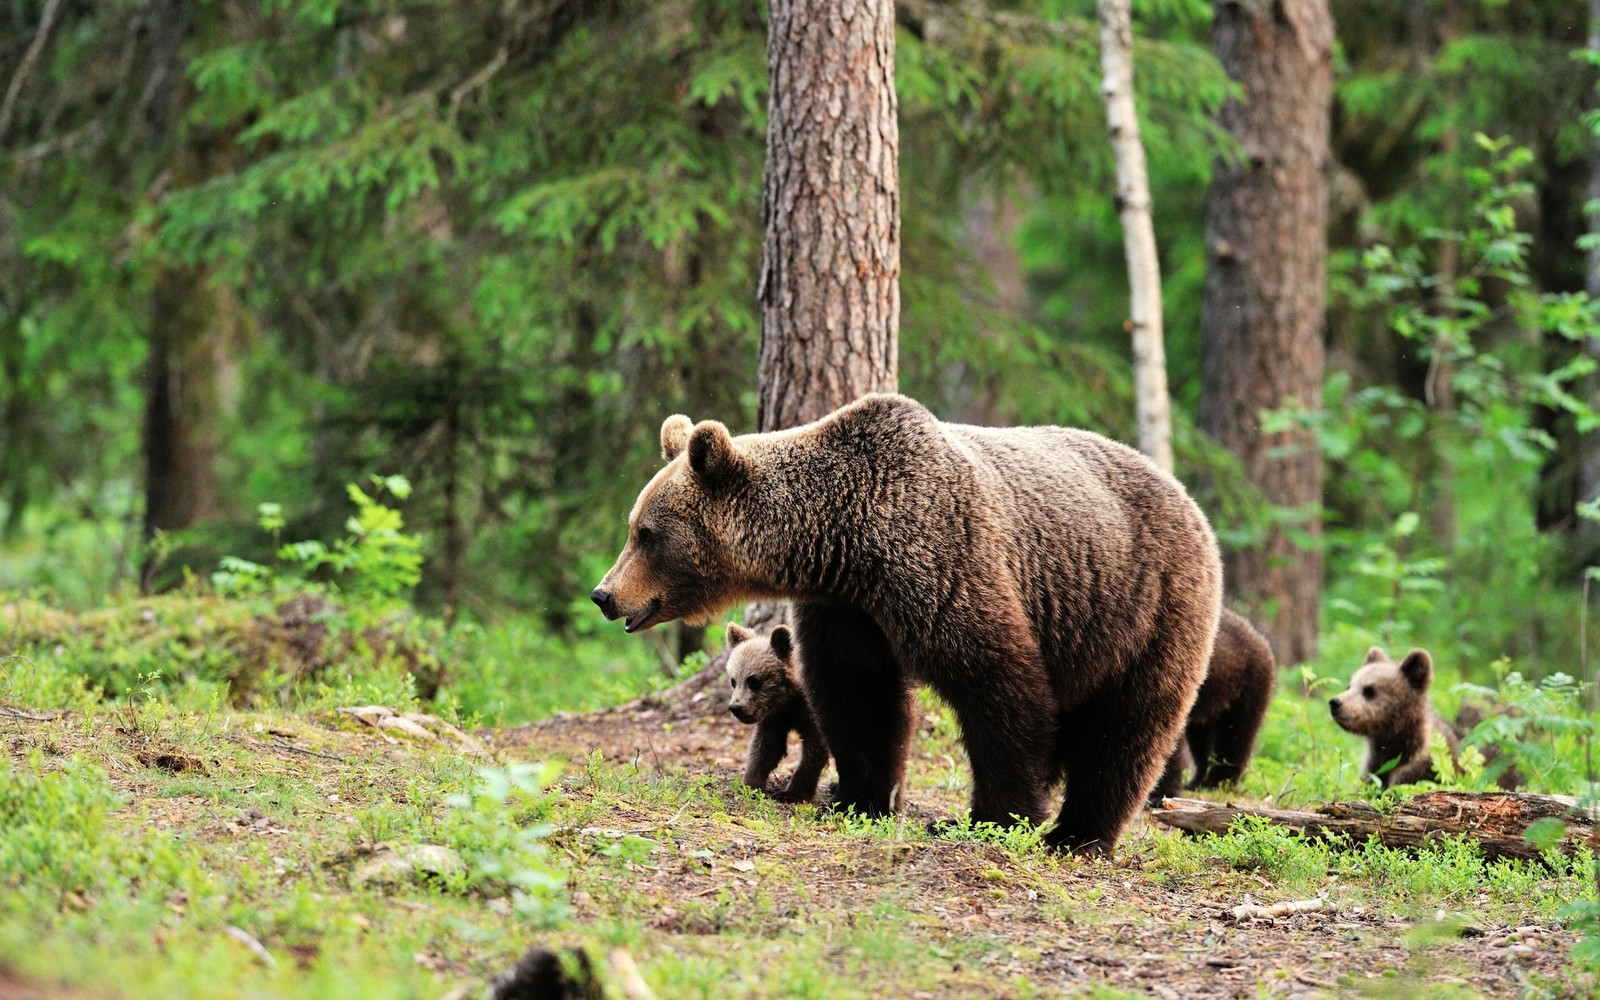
(178, 772)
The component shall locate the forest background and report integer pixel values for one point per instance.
(252, 253)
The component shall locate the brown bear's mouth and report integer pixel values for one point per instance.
(643, 619)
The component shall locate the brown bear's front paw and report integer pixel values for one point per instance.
(1079, 845)
(789, 793)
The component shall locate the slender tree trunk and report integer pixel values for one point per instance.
(1265, 283)
(1440, 395)
(455, 539)
(1152, 404)
(1588, 531)
(996, 283)
(16, 418)
(830, 293)
(180, 428)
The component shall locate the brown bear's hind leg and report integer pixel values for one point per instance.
(859, 695)
(1171, 782)
(1118, 742)
(1002, 697)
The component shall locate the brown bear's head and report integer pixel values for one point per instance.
(679, 561)
(1384, 698)
(760, 671)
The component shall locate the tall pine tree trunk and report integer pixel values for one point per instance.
(830, 268)
(830, 291)
(181, 402)
(1588, 531)
(1262, 316)
(1152, 404)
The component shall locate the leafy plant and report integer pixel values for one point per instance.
(500, 825)
(1540, 727)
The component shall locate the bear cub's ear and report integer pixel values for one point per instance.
(738, 633)
(712, 455)
(1417, 668)
(675, 435)
(782, 642)
(1374, 655)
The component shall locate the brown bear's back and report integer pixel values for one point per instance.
(1096, 536)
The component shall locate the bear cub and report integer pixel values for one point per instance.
(1220, 735)
(766, 694)
(1388, 704)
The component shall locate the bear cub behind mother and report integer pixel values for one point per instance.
(1056, 588)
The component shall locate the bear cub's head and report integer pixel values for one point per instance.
(1384, 697)
(678, 561)
(760, 672)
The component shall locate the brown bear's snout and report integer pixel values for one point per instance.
(741, 713)
(1333, 707)
(606, 603)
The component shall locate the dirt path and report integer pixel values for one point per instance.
(1125, 923)
(718, 873)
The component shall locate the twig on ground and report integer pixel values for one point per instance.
(7, 712)
(256, 948)
(626, 976)
(1253, 911)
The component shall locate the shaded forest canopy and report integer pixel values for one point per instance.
(250, 253)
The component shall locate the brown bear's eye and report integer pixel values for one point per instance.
(1369, 692)
(754, 684)
(646, 536)
(733, 682)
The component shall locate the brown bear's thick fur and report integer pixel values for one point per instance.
(1221, 732)
(766, 694)
(1056, 588)
(1388, 704)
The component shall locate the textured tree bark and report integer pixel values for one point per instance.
(1496, 820)
(1588, 531)
(829, 291)
(830, 266)
(1262, 315)
(181, 401)
(1152, 404)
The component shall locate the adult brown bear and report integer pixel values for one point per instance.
(1055, 587)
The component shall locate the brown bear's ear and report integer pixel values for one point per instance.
(712, 455)
(782, 642)
(675, 435)
(738, 633)
(1417, 668)
(1374, 655)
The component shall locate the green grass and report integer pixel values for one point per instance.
(140, 827)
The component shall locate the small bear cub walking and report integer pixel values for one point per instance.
(1388, 704)
(766, 694)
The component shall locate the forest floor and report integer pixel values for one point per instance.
(257, 831)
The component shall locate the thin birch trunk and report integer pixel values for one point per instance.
(1152, 403)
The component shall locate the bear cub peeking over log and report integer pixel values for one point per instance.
(1388, 704)
(766, 694)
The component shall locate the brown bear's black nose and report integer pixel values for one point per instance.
(1333, 705)
(607, 605)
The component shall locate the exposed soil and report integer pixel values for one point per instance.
(984, 919)
(1146, 931)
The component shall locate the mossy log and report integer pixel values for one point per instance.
(1498, 821)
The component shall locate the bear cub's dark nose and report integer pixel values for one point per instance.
(1333, 705)
(608, 607)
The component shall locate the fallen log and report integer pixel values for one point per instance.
(1498, 821)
